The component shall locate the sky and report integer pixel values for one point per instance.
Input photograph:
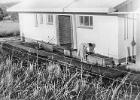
(8, 1)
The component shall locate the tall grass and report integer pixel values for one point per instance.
(31, 80)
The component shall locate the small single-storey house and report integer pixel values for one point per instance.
(72, 22)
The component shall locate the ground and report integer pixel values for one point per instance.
(32, 78)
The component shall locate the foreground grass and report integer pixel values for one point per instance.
(33, 80)
(9, 28)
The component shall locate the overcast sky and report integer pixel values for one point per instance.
(7, 1)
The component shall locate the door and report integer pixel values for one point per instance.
(65, 31)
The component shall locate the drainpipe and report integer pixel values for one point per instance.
(74, 32)
(133, 43)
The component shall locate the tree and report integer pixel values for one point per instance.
(1, 14)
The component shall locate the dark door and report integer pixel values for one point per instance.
(65, 31)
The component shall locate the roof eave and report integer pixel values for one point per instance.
(61, 10)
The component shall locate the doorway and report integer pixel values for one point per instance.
(65, 31)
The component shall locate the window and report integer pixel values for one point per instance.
(49, 19)
(41, 18)
(85, 21)
(36, 20)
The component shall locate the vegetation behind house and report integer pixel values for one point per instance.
(9, 25)
(4, 13)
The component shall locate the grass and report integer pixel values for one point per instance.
(39, 80)
(9, 28)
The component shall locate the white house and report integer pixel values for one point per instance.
(72, 22)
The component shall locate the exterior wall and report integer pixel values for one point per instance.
(104, 34)
(138, 42)
(29, 29)
(123, 41)
(128, 6)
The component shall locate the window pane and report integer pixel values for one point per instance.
(81, 20)
(46, 19)
(41, 19)
(50, 19)
(91, 21)
(36, 21)
(86, 20)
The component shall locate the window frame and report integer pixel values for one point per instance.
(83, 23)
(49, 19)
(36, 20)
(41, 21)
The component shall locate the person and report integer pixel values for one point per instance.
(82, 51)
(90, 48)
(85, 49)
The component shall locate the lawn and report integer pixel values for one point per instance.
(9, 28)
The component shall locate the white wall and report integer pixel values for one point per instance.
(45, 32)
(125, 42)
(138, 41)
(104, 34)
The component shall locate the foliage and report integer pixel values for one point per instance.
(33, 80)
(1, 14)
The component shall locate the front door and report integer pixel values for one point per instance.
(65, 31)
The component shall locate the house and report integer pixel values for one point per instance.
(72, 22)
